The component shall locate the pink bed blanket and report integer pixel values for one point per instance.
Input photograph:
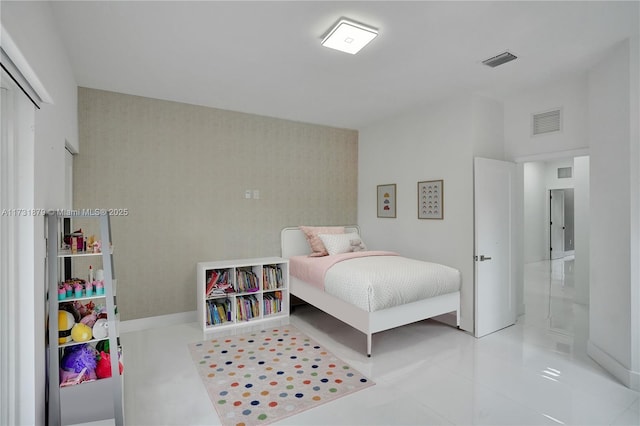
(313, 269)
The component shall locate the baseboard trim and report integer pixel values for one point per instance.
(629, 378)
(158, 321)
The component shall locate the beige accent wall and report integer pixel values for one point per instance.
(182, 171)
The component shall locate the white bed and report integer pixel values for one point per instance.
(294, 243)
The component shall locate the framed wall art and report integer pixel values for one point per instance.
(430, 199)
(387, 200)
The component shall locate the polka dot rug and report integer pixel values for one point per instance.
(264, 376)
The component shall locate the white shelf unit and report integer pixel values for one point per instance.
(261, 283)
(88, 401)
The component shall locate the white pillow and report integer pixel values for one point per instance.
(342, 243)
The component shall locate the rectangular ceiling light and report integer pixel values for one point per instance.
(349, 36)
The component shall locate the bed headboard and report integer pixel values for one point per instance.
(294, 243)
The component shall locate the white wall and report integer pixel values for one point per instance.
(614, 316)
(535, 248)
(551, 176)
(570, 94)
(634, 231)
(487, 128)
(31, 27)
(433, 142)
(581, 229)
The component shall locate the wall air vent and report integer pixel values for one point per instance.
(500, 59)
(546, 122)
(564, 172)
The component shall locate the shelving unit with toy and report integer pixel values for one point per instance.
(234, 293)
(83, 343)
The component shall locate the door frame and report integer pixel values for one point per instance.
(554, 252)
(580, 251)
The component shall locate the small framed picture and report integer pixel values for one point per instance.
(387, 200)
(430, 199)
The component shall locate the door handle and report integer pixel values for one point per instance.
(483, 258)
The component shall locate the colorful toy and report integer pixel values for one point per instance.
(103, 369)
(102, 345)
(71, 307)
(357, 245)
(77, 357)
(100, 329)
(81, 332)
(65, 324)
(89, 320)
(84, 309)
(78, 364)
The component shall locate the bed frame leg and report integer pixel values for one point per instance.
(369, 345)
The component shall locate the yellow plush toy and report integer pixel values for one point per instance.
(65, 324)
(81, 332)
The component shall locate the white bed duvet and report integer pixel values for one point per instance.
(379, 282)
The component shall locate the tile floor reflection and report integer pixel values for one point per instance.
(533, 373)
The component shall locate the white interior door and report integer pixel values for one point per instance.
(556, 223)
(495, 301)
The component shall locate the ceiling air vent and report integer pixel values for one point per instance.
(547, 122)
(499, 59)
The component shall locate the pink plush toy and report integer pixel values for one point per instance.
(89, 320)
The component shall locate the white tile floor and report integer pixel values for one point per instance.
(533, 373)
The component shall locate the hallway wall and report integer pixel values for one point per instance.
(534, 211)
(614, 339)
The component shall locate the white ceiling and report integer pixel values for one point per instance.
(265, 57)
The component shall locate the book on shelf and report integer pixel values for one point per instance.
(211, 281)
(247, 281)
(272, 303)
(247, 308)
(218, 283)
(221, 312)
(271, 277)
(218, 312)
(216, 317)
(228, 309)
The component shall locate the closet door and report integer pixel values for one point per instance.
(19, 298)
